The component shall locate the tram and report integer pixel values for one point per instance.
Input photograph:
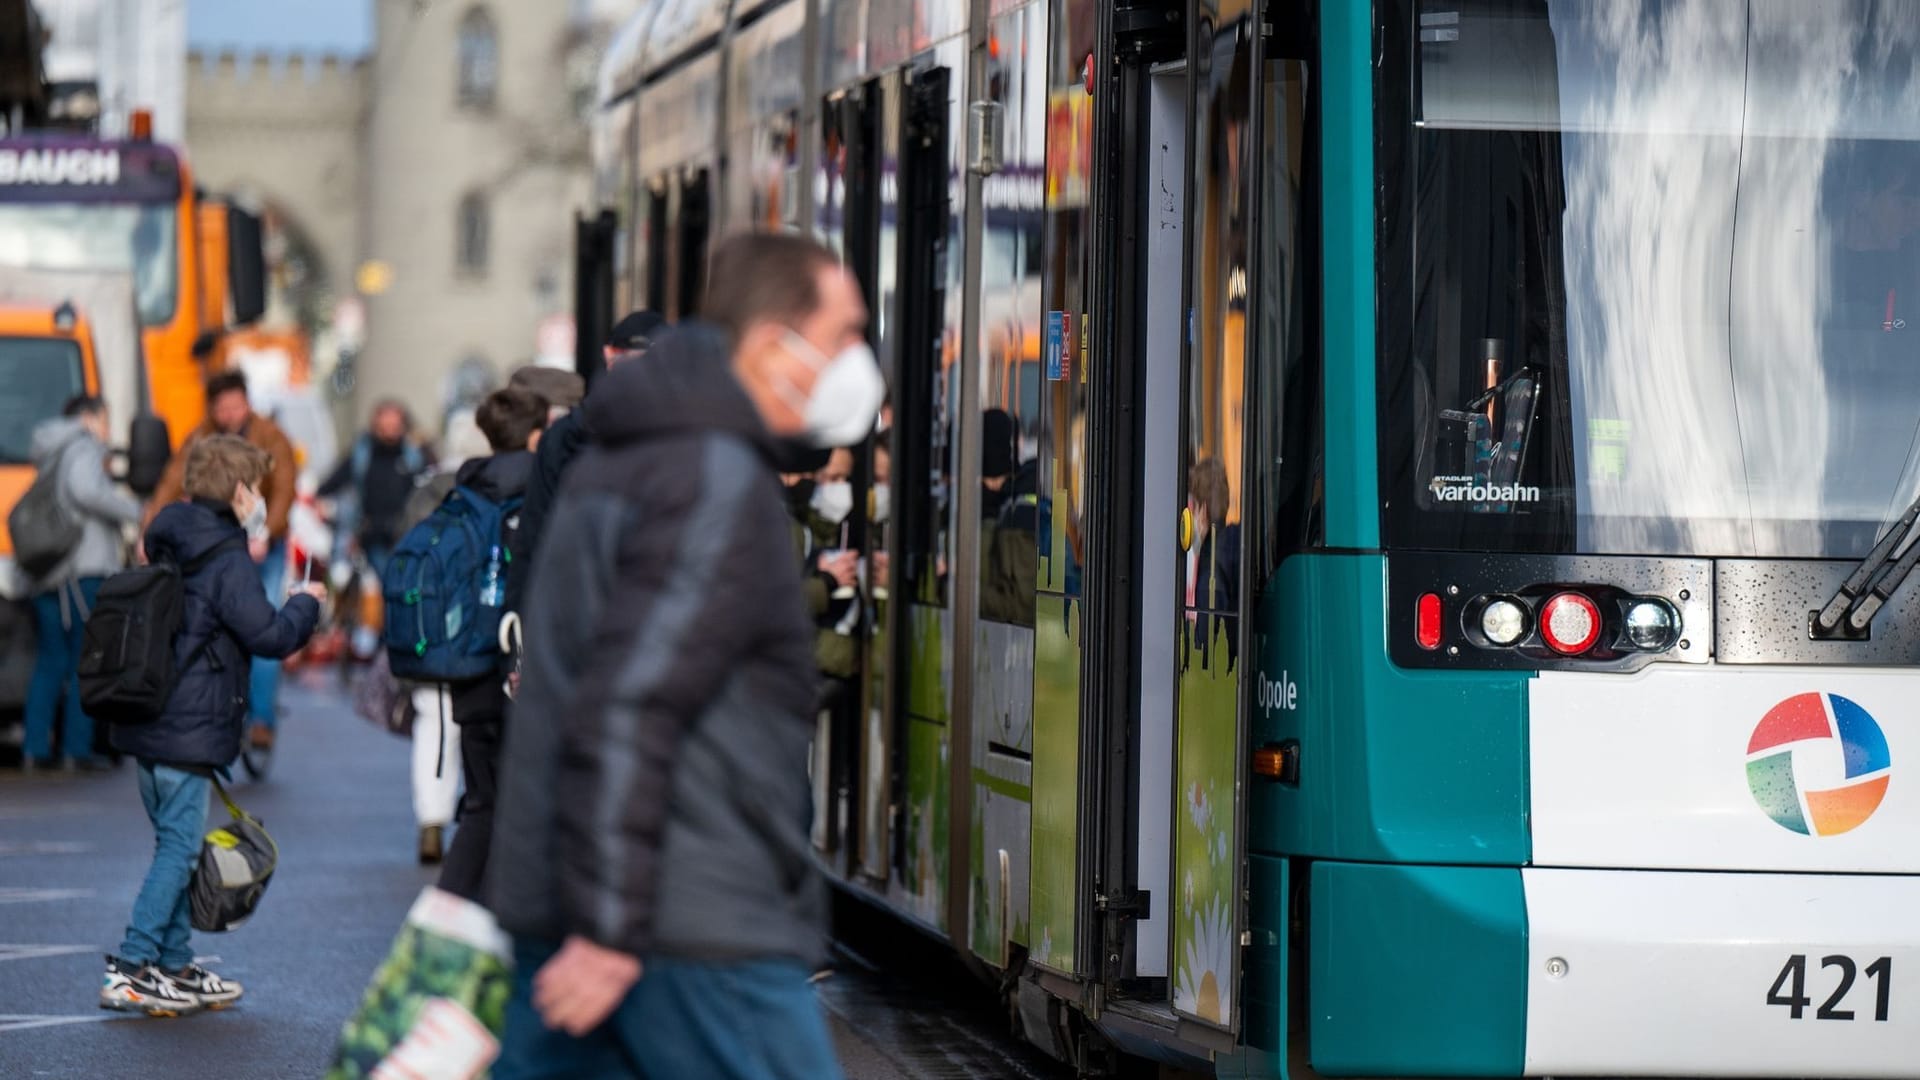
(1438, 621)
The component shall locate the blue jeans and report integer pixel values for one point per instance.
(263, 689)
(752, 1020)
(176, 803)
(56, 682)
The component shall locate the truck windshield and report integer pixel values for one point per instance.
(38, 375)
(135, 238)
(1657, 288)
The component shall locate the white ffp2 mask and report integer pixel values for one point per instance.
(847, 394)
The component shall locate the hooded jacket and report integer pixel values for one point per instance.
(226, 605)
(89, 494)
(656, 798)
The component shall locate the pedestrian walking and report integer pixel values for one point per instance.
(230, 412)
(373, 481)
(72, 450)
(457, 725)
(651, 854)
(228, 617)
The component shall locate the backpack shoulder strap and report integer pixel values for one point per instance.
(362, 459)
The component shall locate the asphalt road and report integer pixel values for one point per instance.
(74, 848)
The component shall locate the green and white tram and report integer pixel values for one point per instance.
(1434, 623)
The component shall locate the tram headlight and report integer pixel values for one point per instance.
(1651, 625)
(1503, 622)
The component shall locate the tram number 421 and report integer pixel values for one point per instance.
(1790, 989)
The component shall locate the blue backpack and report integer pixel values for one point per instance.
(444, 588)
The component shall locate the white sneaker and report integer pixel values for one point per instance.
(212, 991)
(144, 989)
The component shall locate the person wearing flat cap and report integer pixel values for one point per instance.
(629, 339)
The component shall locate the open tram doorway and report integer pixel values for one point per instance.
(1164, 787)
(1162, 293)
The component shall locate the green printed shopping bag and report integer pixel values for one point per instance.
(437, 1006)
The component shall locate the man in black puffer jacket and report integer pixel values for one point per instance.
(228, 620)
(650, 850)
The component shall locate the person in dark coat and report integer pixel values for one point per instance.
(467, 727)
(228, 619)
(565, 437)
(374, 479)
(651, 856)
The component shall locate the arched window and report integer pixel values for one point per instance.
(471, 235)
(479, 59)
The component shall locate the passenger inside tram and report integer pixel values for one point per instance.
(1009, 552)
(1212, 579)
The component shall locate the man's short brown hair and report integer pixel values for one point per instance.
(218, 464)
(509, 417)
(773, 277)
(225, 382)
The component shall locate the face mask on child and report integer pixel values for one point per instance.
(254, 518)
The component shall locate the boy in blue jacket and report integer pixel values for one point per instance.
(227, 610)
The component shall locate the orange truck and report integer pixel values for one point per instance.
(118, 277)
(77, 203)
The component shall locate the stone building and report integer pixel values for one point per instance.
(437, 177)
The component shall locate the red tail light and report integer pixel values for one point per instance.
(1570, 623)
(1426, 622)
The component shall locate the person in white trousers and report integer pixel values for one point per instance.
(436, 768)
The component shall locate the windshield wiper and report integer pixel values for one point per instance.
(1873, 582)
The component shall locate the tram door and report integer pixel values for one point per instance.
(1192, 213)
(1206, 913)
(850, 808)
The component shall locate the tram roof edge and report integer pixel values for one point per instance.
(679, 27)
(622, 68)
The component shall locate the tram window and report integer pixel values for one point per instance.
(693, 229)
(655, 269)
(924, 213)
(1284, 392)
(1653, 294)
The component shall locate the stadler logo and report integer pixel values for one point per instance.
(1813, 724)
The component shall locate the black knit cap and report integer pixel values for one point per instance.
(637, 331)
(799, 456)
(996, 443)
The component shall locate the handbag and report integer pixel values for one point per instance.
(237, 861)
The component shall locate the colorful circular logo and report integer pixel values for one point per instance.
(1814, 723)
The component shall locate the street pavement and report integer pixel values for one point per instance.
(74, 848)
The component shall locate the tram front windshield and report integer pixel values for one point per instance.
(1665, 277)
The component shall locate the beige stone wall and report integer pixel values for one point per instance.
(284, 131)
(369, 159)
(527, 154)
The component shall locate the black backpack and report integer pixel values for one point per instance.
(126, 665)
(44, 531)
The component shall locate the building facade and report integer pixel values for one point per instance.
(436, 179)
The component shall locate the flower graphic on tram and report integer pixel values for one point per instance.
(1199, 808)
(1205, 988)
